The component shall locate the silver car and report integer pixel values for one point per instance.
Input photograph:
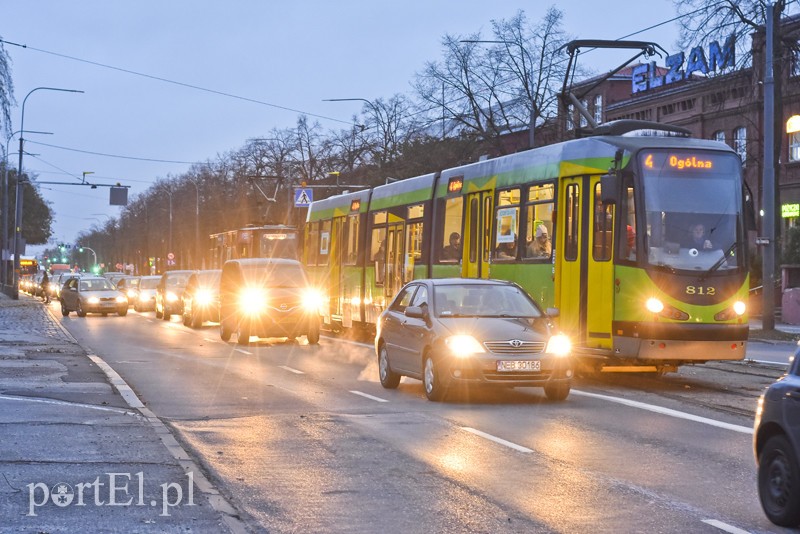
(146, 293)
(92, 294)
(471, 332)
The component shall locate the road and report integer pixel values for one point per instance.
(303, 438)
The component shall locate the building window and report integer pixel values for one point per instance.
(583, 121)
(795, 63)
(570, 117)
(598, 109)
(740, 142)
(794, 146)
(719, 135)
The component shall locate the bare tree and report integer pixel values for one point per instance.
(6, 90)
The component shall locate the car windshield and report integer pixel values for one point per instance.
(489, 300)
(277, 275)
(97, 284)
(149, 283)
(177, 281)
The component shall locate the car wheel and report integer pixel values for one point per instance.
(79, 310)
(122, 312)
(432, 380)
(389, 379)
(64, 310)
(225, 331)
(313, 333)
(557, 392)
(779, 482)
(166, 314)
(136, 308)
(243, 337)
(159, 315)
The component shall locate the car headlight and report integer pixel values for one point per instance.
(131, 293)
(559, 344)
(143, 297)
(121, 299)
(312, 300)
(463, 346)
(252, 301)
(171, 297)
(93, 300)
(203, 297)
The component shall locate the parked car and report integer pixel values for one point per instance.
(92, 294)
(201, 298)
(169, 292)
(146, 293)
(267, 297)
(471, 332)
(776, 442)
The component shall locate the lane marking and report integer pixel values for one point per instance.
(356, 343)
(667, 411)
(367, 396)
(295, 371)
(242, 351)
(211, 340)
(771, 363)
(65, 403)
(724, 526)
(497, 440)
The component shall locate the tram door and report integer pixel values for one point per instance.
(335, 259)
(477, 239)
(585, 280)
(394, 263)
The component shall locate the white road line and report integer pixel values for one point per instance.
(724, 526)
(211, 340)
(667, 411)
(242, 351)
(357, 343)
(367, 396)
(500, 441)
(287, 368)
(65, 403)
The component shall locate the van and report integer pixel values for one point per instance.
(267, 297)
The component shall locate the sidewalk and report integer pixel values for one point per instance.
(73, 455)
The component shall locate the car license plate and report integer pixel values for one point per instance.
(519, 365)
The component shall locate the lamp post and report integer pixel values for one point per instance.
(196, 225)
(20, 187)
(4, 238)
(94, 254)
(528, 81)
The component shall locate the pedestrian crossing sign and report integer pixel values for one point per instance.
(303, 197)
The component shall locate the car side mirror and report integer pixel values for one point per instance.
(553, 312)
(72, 288)
(415, 312)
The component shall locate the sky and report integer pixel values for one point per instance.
(272, 60)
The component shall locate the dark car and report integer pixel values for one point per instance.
(169, 293)
(201, 298)
(462, 331)
(93, 294)
(776, 441)
(267, 298)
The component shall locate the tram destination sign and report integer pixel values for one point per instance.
(679, 67)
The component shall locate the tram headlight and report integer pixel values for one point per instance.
(735, 311)
(463, 346)
(559, 344)
(252, 300)
(654, 305)
(739, 307)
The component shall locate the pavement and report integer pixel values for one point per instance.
(79, 451)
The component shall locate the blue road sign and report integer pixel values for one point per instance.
(303, 197)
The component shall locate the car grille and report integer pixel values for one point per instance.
(514, 346)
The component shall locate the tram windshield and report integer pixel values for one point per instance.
(693, 202)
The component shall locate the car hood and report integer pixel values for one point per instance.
(101, 294)
(499, 328)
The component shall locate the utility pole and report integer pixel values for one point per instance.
(768, 221)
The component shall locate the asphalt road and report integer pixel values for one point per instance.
(303, 438)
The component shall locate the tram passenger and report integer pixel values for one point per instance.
(539, 246)
(506, 251)
(453, 250)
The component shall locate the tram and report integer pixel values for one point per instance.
(597, 227)
(267, 241)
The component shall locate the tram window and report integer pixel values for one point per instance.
(603, 224)
(539, 222)
(351, 240)
(378, 252)
(473, 230)
(572, 206)
(324, 243)
(507, 225)
(628, 207)
(413, 252)
(312, 244)
(450, 236)
(486, 231)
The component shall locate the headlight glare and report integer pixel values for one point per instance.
(312, 300)
(93, 300)
(171, 297)
(739, 307)
(559, 344)
(121, 299)
(654, 305)
(463, 346)
(251, 301)
(203, 297)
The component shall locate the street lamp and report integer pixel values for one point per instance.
(94, 254)
(528, 81)
(4, 238)
(20, 186)
(196, 224)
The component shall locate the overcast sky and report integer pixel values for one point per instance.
(287, 55)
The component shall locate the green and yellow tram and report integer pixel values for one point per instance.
(605, 228)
